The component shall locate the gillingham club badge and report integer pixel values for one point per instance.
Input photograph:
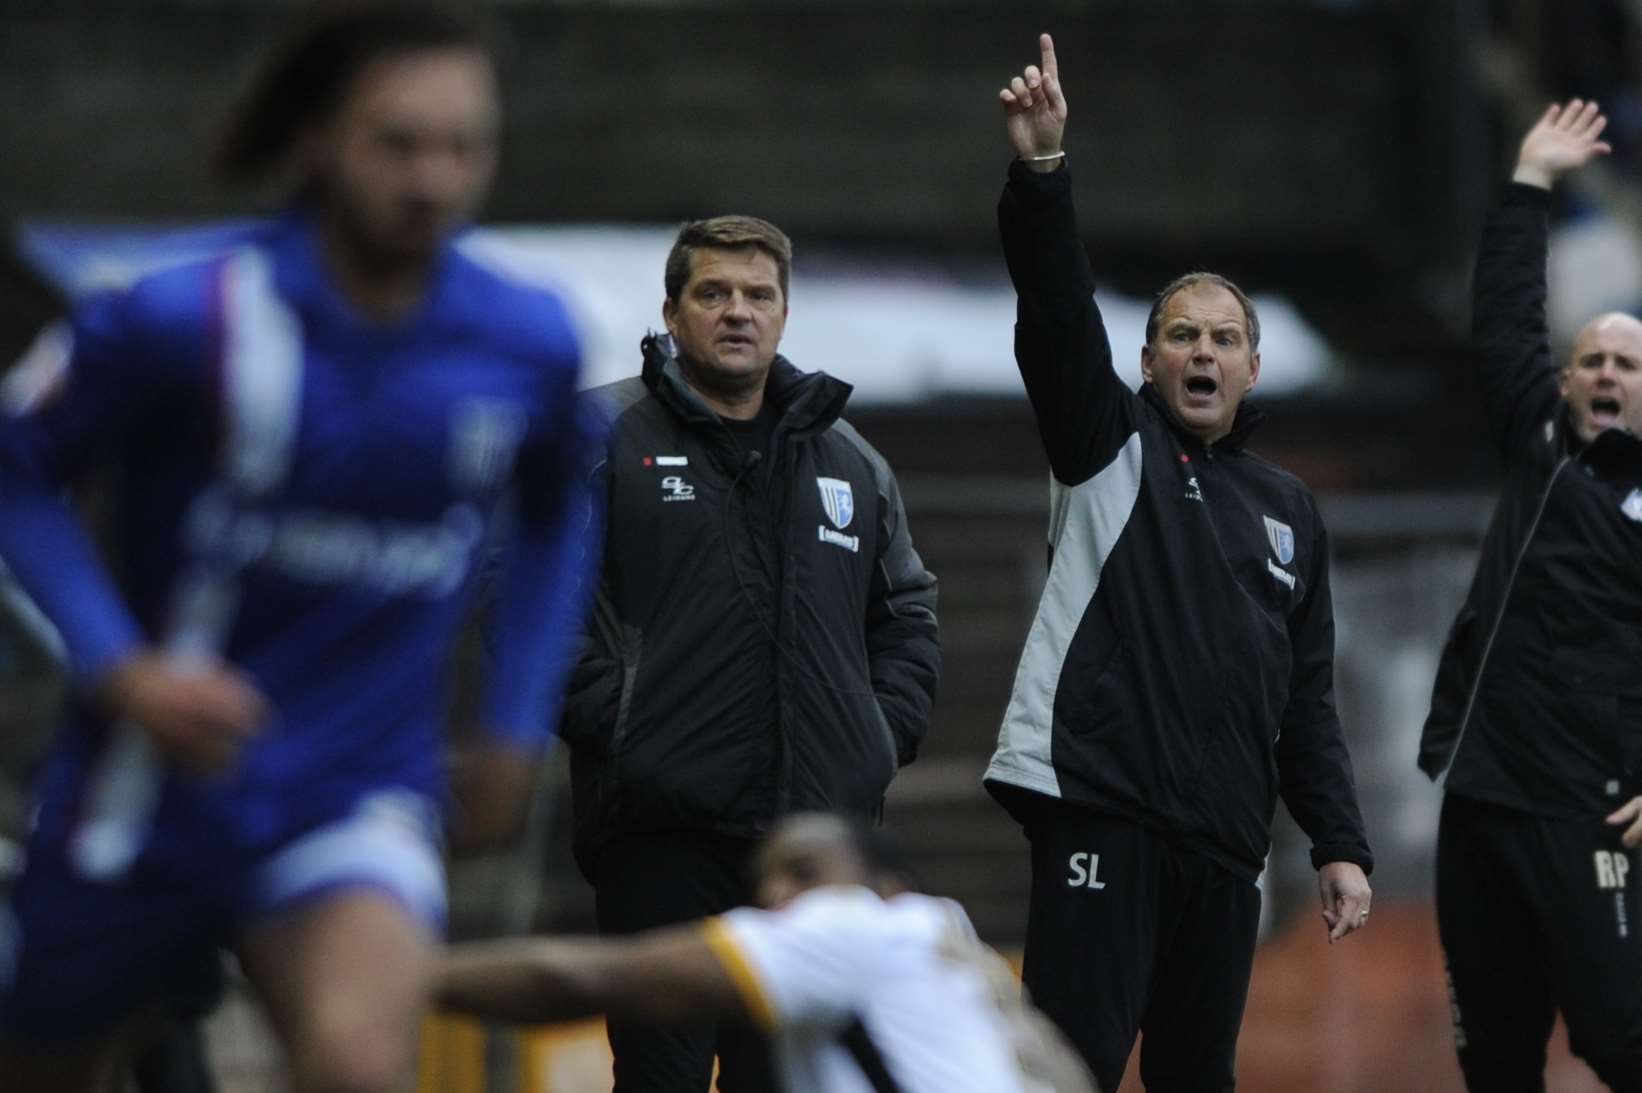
(838, 501)
(1281, 538)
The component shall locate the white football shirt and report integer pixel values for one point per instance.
(909, 967)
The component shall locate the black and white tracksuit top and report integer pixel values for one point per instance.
(1179, 671)
(1538, 698)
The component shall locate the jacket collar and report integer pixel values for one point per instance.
(807, 401)
(1611, 447)
(1248, 418)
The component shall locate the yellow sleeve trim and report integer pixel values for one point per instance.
(723, 944)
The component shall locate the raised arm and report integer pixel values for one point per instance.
(1035, 111)
(1564, 139)
(1084, 411)
(1508, 324)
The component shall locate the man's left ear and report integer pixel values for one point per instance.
(1254, 372)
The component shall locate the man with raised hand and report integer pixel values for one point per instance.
(1178, 676)
(1536, 713)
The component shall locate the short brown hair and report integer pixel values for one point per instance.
(726, 232)
(1188, 280)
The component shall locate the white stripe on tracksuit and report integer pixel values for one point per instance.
(1085, 522)
(261, 373)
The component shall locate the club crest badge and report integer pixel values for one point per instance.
(1281, 538)
(838, 501)
(1632, 505)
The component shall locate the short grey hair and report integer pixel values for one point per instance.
(1190, 280)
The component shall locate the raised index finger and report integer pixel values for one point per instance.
(1046, 45)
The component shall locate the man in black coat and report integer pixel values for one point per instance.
(1537, 709)
(1178, 676)
(764, 638)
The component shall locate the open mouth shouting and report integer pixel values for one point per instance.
(1200, 356)
(1605, 413)
(1201, 389)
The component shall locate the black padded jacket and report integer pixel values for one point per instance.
(764, 638)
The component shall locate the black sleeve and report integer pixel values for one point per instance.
(1313, 767)
(903, 641)
(1508, 326)
(1085, 413)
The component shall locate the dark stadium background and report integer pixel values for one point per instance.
(1336, 153)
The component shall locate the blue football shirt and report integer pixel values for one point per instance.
(307, 493)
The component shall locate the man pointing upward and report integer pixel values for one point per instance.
(1178, 677)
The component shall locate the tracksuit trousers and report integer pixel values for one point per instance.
(1538, 915)
(1130, 931)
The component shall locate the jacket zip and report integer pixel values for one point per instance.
(781, 448)
(1499, 616)
(762, 493)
